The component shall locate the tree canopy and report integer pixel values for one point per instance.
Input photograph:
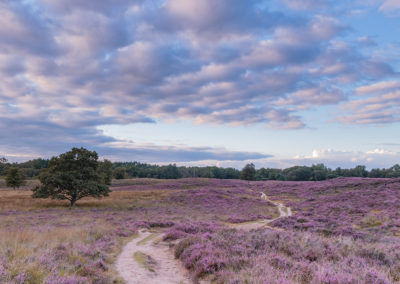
(249, 172)
(72, 176)
(119, 173)
(15, 178)
(108, 170)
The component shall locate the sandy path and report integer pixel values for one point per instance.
(148, 260)
(283, 212)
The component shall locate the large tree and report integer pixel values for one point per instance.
(72, 176)
(15, 178)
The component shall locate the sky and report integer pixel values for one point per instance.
(202, 82)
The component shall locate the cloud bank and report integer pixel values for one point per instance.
(69, 66)
(377, 158)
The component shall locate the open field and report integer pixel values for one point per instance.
(341, 231)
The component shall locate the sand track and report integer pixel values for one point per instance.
(147, 259)
(283, 213)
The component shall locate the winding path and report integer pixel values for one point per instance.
(283, 212)
(147, 259)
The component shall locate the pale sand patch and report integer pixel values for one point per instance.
(165, 269)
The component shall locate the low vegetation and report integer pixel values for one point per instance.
(342, 231)
(268, 256)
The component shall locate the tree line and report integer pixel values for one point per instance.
(316, 172)
(122, 170)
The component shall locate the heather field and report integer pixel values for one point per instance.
(341, 231)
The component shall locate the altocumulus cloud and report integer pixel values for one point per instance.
(69, 66)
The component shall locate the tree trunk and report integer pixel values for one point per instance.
(72, 202)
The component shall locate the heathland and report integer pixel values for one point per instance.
(343, 230)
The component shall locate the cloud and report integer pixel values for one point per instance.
(377, 158)
(173, 154)
(101, 6)
(22, 30)
(46, 140)
(378, 87)
(215, 19)
(380, 104)
(68, 67)
(390, 6)
(306, 4)
(313, 96)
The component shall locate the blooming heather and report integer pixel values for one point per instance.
(341, 231)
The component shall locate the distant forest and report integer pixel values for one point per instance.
(121, 170)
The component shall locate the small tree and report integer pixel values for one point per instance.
(3, 166)
(72, 176)
(248, 172)
(119, 173)
(15, 178)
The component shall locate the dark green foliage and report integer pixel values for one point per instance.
(119, 173)
(142, 170)
(105, 171)
(32, 168)
(15, 178)
(3, 166)
(72, 176)
(317, 172)
(298, 173)
(171, 172)
(248, 172)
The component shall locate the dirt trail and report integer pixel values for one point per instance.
(147, 259)
(283, 212)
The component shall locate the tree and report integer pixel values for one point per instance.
(105, 171)
(72, 176)
(248, 172)
(319, 172)
(300, 173)
(15, 178)
(3, 166)
(119, 173)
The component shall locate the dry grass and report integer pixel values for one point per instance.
(22, 200)
(135, 181)
(33, 230)
(27, 251)
(31, 183)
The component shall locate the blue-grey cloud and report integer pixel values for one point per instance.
(42, 139)
(68, 67)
